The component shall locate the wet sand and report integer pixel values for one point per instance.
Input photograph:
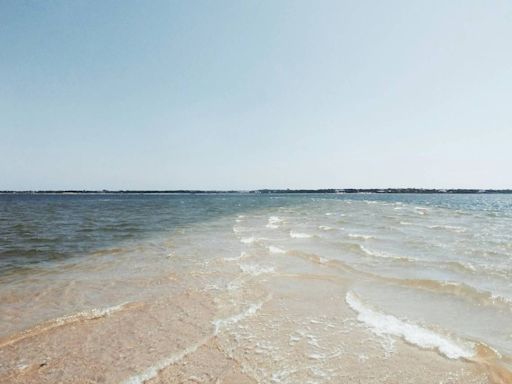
(288, 335)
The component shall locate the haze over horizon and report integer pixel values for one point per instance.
(251, 95)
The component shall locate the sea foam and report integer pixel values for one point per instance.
(248, 240)
(274, 249)
(273, 222)
(383, 324)
(152, 371)
(251, 310)
(218, 325)
(359, 236)
(92, 314)
(382, 254)
(298, 235)
(256, 270)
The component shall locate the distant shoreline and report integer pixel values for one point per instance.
(273, 191)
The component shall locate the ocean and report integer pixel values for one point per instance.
(256, 288)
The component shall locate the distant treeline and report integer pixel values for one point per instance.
(266, 191)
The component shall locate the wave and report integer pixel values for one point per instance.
(218, 325)
(153, 371)
(274, 249)
(248, 240)
(332, 263)
(256, 270)
(383, 324)
(273, 222)
(458, 289)
(326, 228)
(298, 235)
(109, 251)
(452, 228)
(251, 310)
(92, 314)
(421, 210)
(458, 265)
(236, 258)
(384, 255)
(359, 236)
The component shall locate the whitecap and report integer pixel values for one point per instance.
(359, 236)
(274, 249)
(273, 222)
(248, 240)
(298, 235)
(255, 269)
(453, 228)
(381, 254)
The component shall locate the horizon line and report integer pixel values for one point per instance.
(263, 191)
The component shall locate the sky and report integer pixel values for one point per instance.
(255, 94)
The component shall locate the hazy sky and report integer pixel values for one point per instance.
(255, 94)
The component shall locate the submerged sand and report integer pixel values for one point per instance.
(288, 335)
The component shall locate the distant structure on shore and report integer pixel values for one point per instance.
(268, 191)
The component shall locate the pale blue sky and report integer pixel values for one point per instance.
(255, 94)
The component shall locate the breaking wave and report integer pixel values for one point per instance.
(383, 324)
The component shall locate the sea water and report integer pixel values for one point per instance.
(280, 288)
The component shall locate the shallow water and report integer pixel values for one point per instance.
(256, 288)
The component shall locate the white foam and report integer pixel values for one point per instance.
(242, 255)
(359, 236)
(101, 312)
(382, 254)
(383, 324)
(220, 324)
(273, 222)
(421, 210)
(255, 269)
(92, 314)
(453, 228)
(152, 371)
(248, 240)
(325, 228)
(274, 249)
(298, 235)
